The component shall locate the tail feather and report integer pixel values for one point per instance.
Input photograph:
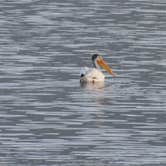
(83, 71)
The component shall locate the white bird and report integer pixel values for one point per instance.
(92, 75)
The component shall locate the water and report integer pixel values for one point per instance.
(48, 118)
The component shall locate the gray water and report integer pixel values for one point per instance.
(46, 116)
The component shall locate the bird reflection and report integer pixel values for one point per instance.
(92, 86)
(98, 95)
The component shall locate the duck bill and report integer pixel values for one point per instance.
(102, 64)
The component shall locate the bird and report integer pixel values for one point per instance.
(94, 75)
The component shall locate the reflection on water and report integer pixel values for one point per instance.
(47, 117)
(92, 86)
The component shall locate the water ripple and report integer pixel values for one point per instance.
(47, 117)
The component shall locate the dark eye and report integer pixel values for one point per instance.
(82, 75)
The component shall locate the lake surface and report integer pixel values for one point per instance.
(47, 118)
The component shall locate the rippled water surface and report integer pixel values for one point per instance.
(47, 117)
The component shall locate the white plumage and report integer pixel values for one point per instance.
(93, 75)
